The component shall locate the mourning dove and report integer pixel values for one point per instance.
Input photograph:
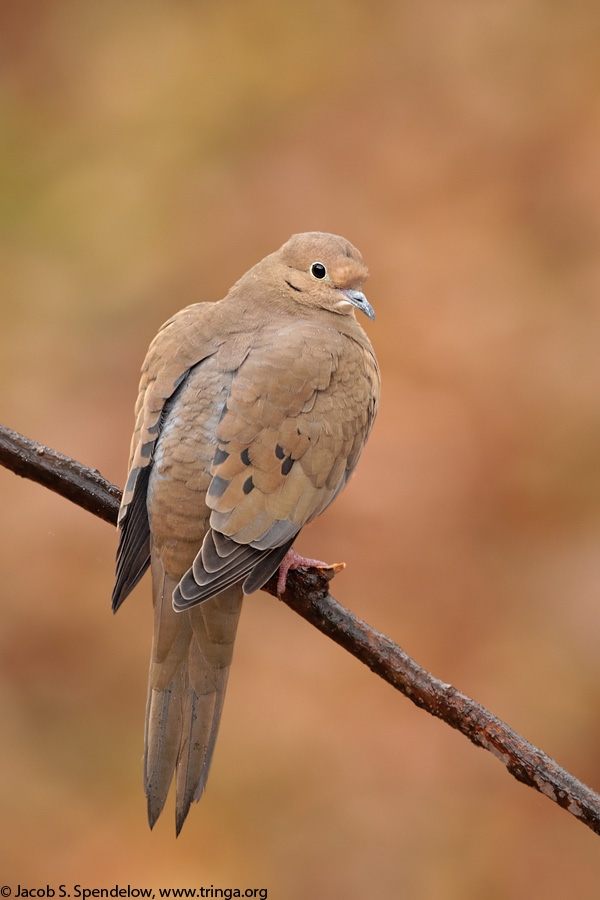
(251, 416)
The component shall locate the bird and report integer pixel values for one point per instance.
(251, 415)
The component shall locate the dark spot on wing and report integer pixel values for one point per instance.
(220, 456)
(224, 412)
(217, 487)
(286, 465)
(248, 485)
(132, 479)
(245, 456)
(279, 451)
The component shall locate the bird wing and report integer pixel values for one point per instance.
(300, 409)
(184, 341)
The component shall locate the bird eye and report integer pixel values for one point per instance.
(318, 270)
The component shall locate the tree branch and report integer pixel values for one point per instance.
(307, 594)
(85, 487)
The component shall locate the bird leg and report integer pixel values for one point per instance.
(293, 560)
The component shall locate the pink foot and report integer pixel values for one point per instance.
(293, 560)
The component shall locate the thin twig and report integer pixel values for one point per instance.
(307, 594)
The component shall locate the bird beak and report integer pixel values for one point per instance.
(358, 299)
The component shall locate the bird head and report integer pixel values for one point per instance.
(323, 270)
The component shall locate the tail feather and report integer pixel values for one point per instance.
(163, 738)
(198, 718)
(191, 656)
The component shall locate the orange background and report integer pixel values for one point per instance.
(153, 151)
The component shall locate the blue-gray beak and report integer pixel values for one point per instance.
(358, 299)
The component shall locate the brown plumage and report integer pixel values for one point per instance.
(251, 416)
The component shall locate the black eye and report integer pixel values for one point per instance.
(318, 270)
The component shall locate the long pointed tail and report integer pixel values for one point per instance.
(191, 657)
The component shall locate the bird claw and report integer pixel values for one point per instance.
(293, 560)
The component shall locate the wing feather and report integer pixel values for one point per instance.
(288, 440)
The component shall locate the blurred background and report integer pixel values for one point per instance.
(150, 153)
